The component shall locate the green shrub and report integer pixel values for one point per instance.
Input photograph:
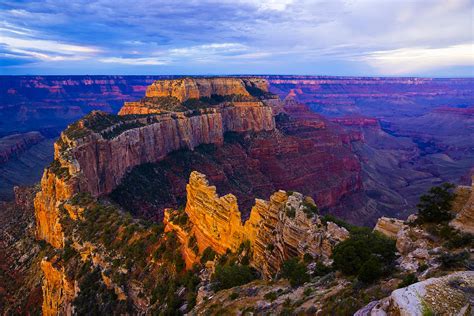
(408, 279)
(95, 299)
(60, 171)
(458, 240)
(435, 206)
(321, 269)
(370, 270)
(364, 248)
(310, 209)
(294, 271)
(233, 295)
(192, 244)
(307, 258)
(454, 260)
(227, 276)
(208, 255)
(270, 296)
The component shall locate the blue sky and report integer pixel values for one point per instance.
(319, 37)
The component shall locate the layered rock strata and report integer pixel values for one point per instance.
(195, 88)
(93, 154)
(281, 228)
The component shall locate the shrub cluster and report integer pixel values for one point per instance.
(367, 255)
(435, 206)
(295, 271)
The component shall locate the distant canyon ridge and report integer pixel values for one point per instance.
(395, 137)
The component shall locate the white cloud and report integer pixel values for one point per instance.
(24, 43)
(208, 49)
(134, 61)
(416, 59)
(276, 5)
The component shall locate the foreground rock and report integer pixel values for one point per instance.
(448, 295)
(464, 205)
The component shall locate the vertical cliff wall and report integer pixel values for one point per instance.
(195, 88)
(58, 291)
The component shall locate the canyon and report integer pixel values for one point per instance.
(211, 185)
(403, 145)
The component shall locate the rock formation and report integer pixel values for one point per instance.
(448, 295)
(58, 292)
(464, 206)
(195, 88)
(389, 226)
(93, 154)
(287, 222)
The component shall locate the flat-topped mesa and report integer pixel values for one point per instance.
(195, 88)
(185, 94)
(285, 226)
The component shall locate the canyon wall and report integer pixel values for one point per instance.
(103, 162)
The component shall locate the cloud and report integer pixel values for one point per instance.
(134, 61)
(417, 59)
(367, 37)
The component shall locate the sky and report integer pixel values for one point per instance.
(433, 38)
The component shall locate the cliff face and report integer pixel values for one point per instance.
(287, 222)
(54, 191)
(195, 88)
(304, 153)
(92, 156)
(58, 291)
(103, 162)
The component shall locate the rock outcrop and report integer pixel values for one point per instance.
(169, 95)
(54, 191)
(448, 295)
(286, 226)
(464, 206)
(58, 291)
(389, 226)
